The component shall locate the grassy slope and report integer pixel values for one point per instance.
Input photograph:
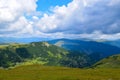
(37, 72)
(109, 62)
(37, 52)
(42, 53)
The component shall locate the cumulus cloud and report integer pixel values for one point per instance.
(83, 16)
(11, 9)
(97, 19)
(13, 16)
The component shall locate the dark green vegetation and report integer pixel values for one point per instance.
(43, 53)
(37, 72)
(39, 52)
(109, 62)
(92, 51)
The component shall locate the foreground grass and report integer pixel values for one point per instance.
(37, 72)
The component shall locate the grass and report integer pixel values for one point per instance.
(109, 62)
(38, 72)
(3, 46)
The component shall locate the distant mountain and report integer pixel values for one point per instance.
(113, 43)
(89, 47)
(21, 40)
(44, 54)
(78, 54)
(109, 62)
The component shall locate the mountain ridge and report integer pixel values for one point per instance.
(109, 62)
(50, 54)
(86, 46)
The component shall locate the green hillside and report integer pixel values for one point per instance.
(38, 72)
(45, 54)
(43, 61)
(109, 62)
(41, 53)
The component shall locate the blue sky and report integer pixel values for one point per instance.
(92, 19)
(44, 5)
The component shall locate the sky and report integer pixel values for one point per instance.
(91, 19)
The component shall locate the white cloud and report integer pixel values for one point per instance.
(97, 19)
(12, 9)
(114, 2)
(82, 16)
(13, 19)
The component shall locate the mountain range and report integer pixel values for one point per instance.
(113, 43)
(89, 47)
(21, 40)
(59, 52)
